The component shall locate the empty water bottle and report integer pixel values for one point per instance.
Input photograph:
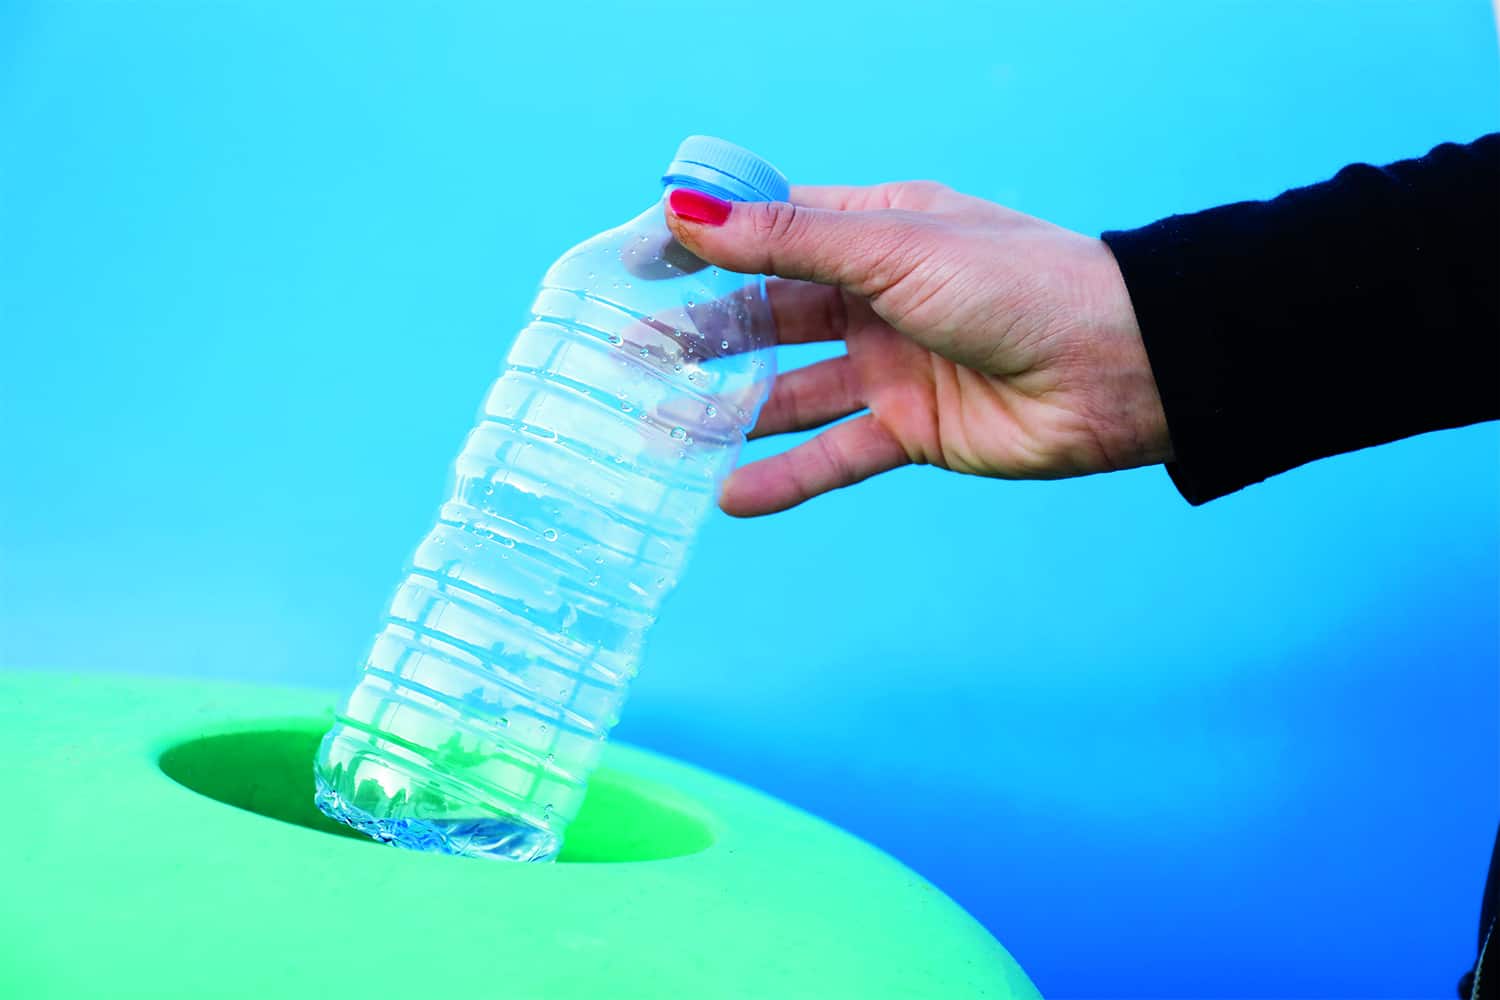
(504, 657)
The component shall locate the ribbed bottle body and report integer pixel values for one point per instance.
(503, 660)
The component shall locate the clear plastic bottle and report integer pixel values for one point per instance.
(504, 657)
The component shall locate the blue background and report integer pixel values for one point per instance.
(258, 263)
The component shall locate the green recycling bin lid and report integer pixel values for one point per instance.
(160, 842)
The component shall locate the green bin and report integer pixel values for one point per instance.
(159, 841)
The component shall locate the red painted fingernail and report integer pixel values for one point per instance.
(695, 206)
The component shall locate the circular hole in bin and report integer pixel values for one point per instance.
(269, 771)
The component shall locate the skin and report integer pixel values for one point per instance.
(977, 339)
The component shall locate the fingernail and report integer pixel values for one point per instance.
(695, 206)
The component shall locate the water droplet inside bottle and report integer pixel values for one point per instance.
(593, 581)
(645, 353)
(690, 303)
(550, 535)
(644, 237)
(679, 433)
(724, 345)
(711, 410)
(625, 405)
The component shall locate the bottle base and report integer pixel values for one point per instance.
(490, 837)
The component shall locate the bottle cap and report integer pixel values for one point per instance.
(727, 166)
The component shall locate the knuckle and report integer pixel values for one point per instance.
(930, 189)
(895, 256)
(796, 404)
(834, 459)
(919, 196)
(777, 221)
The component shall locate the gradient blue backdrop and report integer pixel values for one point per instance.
(258, 262)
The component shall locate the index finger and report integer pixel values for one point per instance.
(861, 198)
(837, 197)
(913, 196)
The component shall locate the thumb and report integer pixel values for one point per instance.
(865, 252)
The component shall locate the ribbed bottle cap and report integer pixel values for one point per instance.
(727, 166)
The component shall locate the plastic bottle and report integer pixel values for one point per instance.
(504, 657)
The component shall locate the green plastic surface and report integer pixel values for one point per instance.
(159, 841)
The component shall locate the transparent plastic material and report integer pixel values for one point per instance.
(503, 660)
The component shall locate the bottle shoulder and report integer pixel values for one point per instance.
(635, 288)
(641, 256)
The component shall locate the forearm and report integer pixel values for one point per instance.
(1333, 317)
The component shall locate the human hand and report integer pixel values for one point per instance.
(978, 339)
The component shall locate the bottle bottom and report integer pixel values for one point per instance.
(491, 837)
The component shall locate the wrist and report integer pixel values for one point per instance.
(1127, 416)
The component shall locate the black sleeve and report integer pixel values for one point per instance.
(1334, 317)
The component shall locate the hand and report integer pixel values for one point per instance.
(978, 339)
